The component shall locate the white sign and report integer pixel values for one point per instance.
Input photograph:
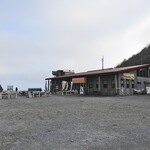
(128, 76)
(148, 90)
(9, 87)
(81, 90)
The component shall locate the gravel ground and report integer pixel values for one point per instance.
(75, 123)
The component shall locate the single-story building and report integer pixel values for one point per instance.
(105, 82)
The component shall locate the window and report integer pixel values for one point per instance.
(97, 86)
(112, 83)
(132, 82)
(97, 83)
(138, 72)
(122, 83)
(142, 72)
(127, 83)
(90, 84)
(133, 86)
(105, 84)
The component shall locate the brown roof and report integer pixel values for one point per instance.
(104, 71)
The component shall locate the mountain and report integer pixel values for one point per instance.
(143, 57)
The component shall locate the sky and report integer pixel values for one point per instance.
(40, 36)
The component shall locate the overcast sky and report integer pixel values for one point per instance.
(39, 36)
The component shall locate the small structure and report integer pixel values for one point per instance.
(10, 88)
(148, 90)
(34, 92)
(7, 94)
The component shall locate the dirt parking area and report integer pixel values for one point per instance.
(75, 123)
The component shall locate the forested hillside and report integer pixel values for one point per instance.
(143, 57)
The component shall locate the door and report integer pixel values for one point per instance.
(108, 86)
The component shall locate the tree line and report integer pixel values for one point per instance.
(143, 57)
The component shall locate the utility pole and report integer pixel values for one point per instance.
(102, 62)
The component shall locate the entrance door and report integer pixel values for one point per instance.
(108, 86)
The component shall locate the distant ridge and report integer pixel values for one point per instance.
(143, 57)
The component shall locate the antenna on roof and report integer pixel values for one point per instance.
(102, 62)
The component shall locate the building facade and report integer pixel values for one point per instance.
(106, 82)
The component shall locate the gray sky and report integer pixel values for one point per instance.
(38, 36)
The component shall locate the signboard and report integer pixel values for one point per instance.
(9, 87)
(128, 76)
(148, 90)
(79, 80)
(81, 90)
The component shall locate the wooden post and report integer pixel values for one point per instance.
(116, 84)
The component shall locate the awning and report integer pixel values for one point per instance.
(79, 80)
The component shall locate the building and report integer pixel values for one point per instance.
(105, 82)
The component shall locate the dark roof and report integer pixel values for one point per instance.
(104, 71)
